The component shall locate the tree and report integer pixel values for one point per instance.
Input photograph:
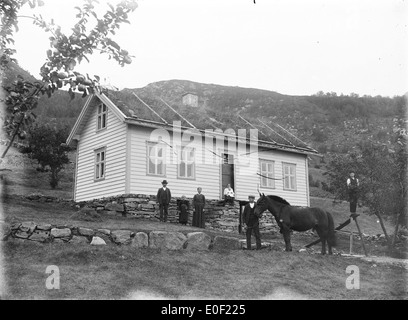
(46, 144)
(401, 155)
(382, 170)
(89, 33)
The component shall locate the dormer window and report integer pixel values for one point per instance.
(102, 117)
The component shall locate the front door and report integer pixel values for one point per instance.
(227, 172)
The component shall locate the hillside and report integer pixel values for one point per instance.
(325, 121)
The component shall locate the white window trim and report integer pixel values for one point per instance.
(153, 144)
(263, 174)
(99, 117)
(284, 164)
(180, 150)
(97, 164)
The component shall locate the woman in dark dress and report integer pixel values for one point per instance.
(184, 207)
(199, 204)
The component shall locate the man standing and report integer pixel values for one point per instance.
(199, 204)
(352, 186)
(252, 222)
(163, 199)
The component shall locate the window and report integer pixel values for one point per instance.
(289, 176)
(100, 164)
(155, 159)
(102, 117)
(267, 174)
(227, 158)
(186, 163)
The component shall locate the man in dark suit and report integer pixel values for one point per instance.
(252, 222)
(163, 199)
(352, 186)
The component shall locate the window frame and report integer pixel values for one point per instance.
(266, 161)
(100, 115)
(180, 151)
(284, 175)
(155, 174)
(97, 164)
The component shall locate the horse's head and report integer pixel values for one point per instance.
(272, 203)
(261, 205)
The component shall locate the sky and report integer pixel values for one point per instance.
(294, 47)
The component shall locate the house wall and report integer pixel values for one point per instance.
(114, 139)
(126, 165)
(191, 100)
(206, 174)
(208, 171)
(247, 181)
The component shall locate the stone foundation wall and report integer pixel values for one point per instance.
(217, 216)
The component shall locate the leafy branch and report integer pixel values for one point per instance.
(89, 33)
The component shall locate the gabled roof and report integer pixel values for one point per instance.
(156, 112)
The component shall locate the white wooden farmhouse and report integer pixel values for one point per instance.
(131, 147)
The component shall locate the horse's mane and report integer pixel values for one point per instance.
(278, 199)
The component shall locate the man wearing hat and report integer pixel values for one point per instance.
(163, 199)
(252, 222)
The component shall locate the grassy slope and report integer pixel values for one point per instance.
(124, 272)
(120, 272)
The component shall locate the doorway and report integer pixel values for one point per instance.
(227, 172)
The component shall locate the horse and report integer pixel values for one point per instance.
(298, 219)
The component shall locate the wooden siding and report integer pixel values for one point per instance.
(247, 181)
(206, 175)
(114, 139)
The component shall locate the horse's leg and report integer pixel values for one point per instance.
(286, 237)
(330, 247)
(323, 238)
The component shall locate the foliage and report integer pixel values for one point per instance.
(46, 144)
(313, 182)
(381, 169)
(90, 33)
(319, 135)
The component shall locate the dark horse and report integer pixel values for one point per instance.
(298, 219)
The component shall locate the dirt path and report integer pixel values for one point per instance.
(403, 263)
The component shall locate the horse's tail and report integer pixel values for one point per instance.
(331, 237)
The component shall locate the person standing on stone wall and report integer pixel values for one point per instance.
(352, 186)
(163, 199)
(199, 204)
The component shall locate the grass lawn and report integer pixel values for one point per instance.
(123, 272)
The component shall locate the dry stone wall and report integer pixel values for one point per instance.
(74, 235)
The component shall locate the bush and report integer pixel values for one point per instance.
(312, 182)
(46, 144)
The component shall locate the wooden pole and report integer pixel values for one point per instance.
(354, 216)
(151, 109)
(351, 242)
(336, 229)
